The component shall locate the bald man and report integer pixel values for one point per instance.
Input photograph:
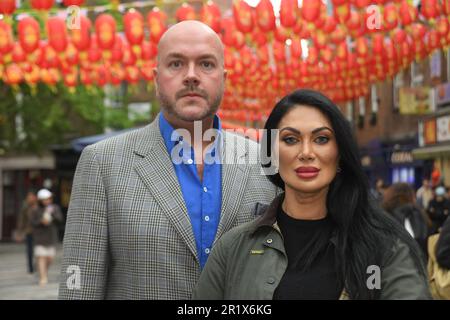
(148, 206)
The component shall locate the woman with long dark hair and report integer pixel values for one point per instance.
(324, 237)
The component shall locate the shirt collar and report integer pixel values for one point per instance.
(171, 137)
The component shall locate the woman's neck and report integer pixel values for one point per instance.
(305, 206)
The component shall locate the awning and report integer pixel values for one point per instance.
(431, 152)
(80, 143)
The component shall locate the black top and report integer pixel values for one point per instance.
(319, 280)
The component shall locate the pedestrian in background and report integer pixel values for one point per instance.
(424, 194)
(45, 219)
(24, 230)
(400, 202)
(438, 209)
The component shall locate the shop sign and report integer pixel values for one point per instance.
(429, 131)
(417, 100)
(401, 157)
(443, 128)
(442, 94)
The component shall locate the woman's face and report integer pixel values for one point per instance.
(308, 152)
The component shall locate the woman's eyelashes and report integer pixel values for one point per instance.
(291, 140)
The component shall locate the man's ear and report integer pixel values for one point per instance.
(155, 76)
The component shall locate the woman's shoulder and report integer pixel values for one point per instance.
(241, 233)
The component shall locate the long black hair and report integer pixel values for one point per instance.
(365, 233)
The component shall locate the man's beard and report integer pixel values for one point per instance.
(210, 111)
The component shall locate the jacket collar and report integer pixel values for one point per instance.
(269, 217)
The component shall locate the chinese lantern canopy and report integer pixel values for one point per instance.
(57, 34)
(29, 34)
(157, 23)
(185, 12)
(210, 14)
(265, 16)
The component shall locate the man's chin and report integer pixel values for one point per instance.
(193, 113)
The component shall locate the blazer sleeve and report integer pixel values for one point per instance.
(85, 259)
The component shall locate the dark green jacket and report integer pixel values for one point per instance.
(249, 261)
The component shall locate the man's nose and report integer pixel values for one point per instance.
(191, 77)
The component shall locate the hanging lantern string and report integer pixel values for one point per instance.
(120, 7)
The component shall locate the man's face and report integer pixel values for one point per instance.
(190, 75)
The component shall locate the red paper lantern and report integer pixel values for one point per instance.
(185, 12)
(329, 25)
(81, 37)
(29, 34)
(133, 22)
(7, 6)
(442, 26)
(390, 17)
(117, 50)
(342, 12)
(265, 17)
(132, 74)
(311, 10)
(6, 38)
(69, 3)
(57, 35)
(243, 16)
(156, 20)
(71, 55)
(149, 51)
(288, 13)
(13, 74)
(18, 55)
(42, 4)
(361, 4)
(105, 29)
(407, 13)
(210, 14)
(147, 71)
(430, 9)
(399, 35)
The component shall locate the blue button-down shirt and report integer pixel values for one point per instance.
(203, 198)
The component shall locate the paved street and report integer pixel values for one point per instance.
(16, 283)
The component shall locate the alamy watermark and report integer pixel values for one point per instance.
(231, 150)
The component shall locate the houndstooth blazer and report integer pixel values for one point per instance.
(128, 233)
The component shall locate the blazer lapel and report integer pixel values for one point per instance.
(157, 172)
(235, 172)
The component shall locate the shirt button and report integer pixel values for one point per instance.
(269, 241)
(206, 218)
(270, 280)
(205, 189)
(207, 250)
(190, 161)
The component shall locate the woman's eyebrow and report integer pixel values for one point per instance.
(313, 131)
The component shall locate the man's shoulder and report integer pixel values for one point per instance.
(124, 141)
